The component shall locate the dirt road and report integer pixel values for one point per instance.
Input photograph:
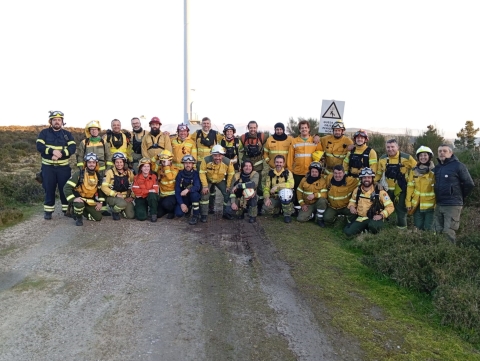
(133, 290)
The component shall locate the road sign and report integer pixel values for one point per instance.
(332, 111)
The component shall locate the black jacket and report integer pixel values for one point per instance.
(452, 182)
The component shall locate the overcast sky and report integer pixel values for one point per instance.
(395, 64)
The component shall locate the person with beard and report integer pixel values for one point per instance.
(453, 183)
(361, 156)
(167, 174)
(154, 141)
(277, 143)
(300, 157)
(187, 190)
(117, 188)
(55, 146)
(119, 140)
(182, 145)
(370, 204)
(278, 179)
(231, 144)
(340, 188)
(335, 146)
(138, 134)
(82, 189)
(396, 165)
(145, 189)
(245, 201)
(312, 195)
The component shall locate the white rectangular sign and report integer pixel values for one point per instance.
(332, 111)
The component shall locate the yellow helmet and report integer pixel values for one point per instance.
(317, 155)
(144, 161)
(165, 155)
(92, 124)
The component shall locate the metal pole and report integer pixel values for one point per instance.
(186, 67)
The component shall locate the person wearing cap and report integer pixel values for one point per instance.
(166, 175)
(277, 143)
(119, 140)
(145, 190)
(187, 190)
(55, 145)
(300, 156)
(396, 166)
(232, 145)
(94, 143)
(277, 180)
(340, 188)
(335, 146)
(215, 170)
(137, 135)
(117, 188)
(243, 197)
(82, 190)
(453, 183)
(312, 195)
(370, 204)
(154, 141)
(182, 145)
(361, 156)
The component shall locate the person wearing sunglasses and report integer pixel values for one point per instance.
(55, 145)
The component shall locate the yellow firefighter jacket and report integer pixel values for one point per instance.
(360, 157)
(335, 150)
(364, 203)
(407, 163)
(166, 180)
(317, 188)
(179, 149)
(85, 185)
(100, 148)
(202, 149)
(215, 173)
(152, 146)
(124, 182)
(300, 154)
(339, 193)
(124, 147)
(273, 147)
(282, 179)
(420, 190)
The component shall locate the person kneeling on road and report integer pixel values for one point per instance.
(371, 204)
(312, 195)
(244, 196)
(187, 190)
(82, 189)
(145, 188)
(278, 191)
(218, 170)
(117, 186)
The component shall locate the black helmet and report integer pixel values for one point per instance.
(228, 127)
(118, 155)
(315, 165)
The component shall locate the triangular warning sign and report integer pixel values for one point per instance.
(332, 112)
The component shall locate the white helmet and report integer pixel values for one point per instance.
(285, 195)
(217, 149)
(248, 193)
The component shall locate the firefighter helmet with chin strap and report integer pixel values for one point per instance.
(424, 149)
(315, 165)
(119, 155)
(362, 133)
(285, 195)
(229, 127)
(165, 155)
(218, 149)
(338, 125)
(366, 172)
(188, 158)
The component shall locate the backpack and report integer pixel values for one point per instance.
(252, 147)
(210, 140)
(359, 161)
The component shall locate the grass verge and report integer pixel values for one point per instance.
(391, 323)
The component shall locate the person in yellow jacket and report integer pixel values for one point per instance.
(335, 146)
(300, 156)
(205, 139)
(370, 204)
(420, 197)
(396, 165)
(182, 145)
(216, 170)
(277, 143)
(167, 173)
(117, 188)
(119, 140)
(339, 191)
(361, 156)
(155, 141)
(276, 199)
(82, 191)
(94, 143)
(312, 195)
(137, 135)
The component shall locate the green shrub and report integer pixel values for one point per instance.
(9, 215)
(21, 189)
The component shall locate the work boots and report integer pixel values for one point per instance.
(252, 220)
(47, 215)
(203, 219)
(79, 220)
(116, 216)
(193, 220)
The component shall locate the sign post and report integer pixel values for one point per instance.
(332, 111)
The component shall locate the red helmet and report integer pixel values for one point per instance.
(361, 132)
(155, 120)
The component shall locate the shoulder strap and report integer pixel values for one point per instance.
(359, 192)
(226, 161)
(366, 157)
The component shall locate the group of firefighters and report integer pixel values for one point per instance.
(150, 174)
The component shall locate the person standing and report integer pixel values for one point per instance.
(453, 184)
(277, 143)
(335, 146)
(154, 141)
(119, 140)
(55, 145)
(231, 144)
(396, 165)
(94, 143)
(137, 136)
(361, 156)
(182, 145)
